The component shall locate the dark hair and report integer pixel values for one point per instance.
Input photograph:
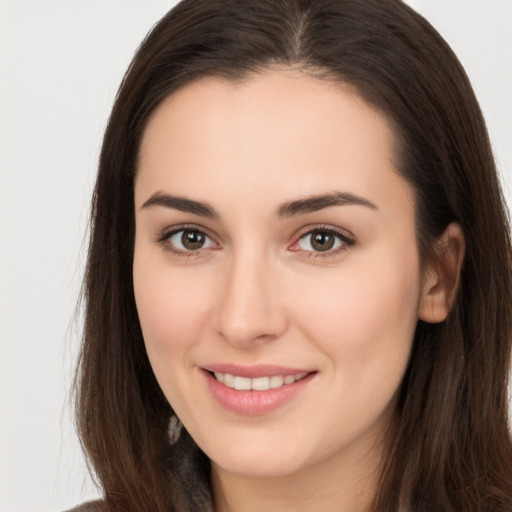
(449, 445)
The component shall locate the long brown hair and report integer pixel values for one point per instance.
(449, 445)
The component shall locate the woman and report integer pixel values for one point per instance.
(298, 291)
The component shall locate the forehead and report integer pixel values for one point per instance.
(278, 129)
(265, 104)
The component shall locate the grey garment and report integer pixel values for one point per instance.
(91, 506)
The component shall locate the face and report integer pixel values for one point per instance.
(276, 270)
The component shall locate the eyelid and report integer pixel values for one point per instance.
(347, 238)
(164, 236)
(170, 230)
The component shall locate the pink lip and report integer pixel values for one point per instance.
(251, 372)
(254, 403)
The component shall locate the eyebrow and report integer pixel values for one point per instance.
(316, 203)
(288, 209)
(181, 203)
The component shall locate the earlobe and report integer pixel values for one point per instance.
(441, 278)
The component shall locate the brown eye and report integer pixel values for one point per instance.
(322, 241)
(192, 240)
(188, 240)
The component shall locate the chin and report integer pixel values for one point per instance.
(251, 468)
(263, 459)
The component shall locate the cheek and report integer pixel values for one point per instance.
(170, 325)
(364, 322)
(365, 313)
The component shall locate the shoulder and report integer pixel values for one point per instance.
(91, 506)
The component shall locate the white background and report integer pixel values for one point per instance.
(60, 64)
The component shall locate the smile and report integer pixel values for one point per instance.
(258, 383)
(256, 390)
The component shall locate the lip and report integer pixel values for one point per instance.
(254, 403)
(254, 371)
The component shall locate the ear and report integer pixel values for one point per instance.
(441, 278)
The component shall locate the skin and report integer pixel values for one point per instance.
(257, 292)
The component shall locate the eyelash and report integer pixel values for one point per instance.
(346, 240)
(164, 239)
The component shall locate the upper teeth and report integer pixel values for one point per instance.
(258, 383)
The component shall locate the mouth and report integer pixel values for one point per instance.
(257, 390)
(263, 383)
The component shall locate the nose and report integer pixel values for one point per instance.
(248, 308)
